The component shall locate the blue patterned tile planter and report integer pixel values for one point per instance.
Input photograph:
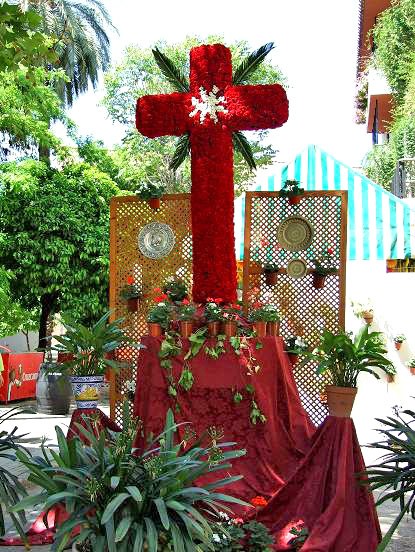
(86, 390)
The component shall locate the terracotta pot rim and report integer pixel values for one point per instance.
(344, 390)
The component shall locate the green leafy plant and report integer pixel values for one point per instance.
(301, 534)
(296, 345)
(231, 312)
(394, 474)
(291, 188)
(250, 536)
(149, 190)
(125, 501)
(186, 310)
(130, 291)
(160, 314)
(345, 358)
(399, 338)
(89, 348)
(323, 266)
(264, 313)
(411, 363)
(213, 312)
(175, 289)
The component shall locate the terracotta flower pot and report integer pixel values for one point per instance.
(186, 328)
(213, 328)
(293, 358)
(294, 200)
(412, 369)
(229, 328)
(154, 202)
(390, 378)
(154, 329)
(368, 317)
(260, 328)
(340, 400)
(133, 304)
(398, 345)
(319, 281)
(273, 328)
(271, 278)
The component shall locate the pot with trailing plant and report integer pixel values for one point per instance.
(345, 358)
(151, 192)
(175, 289)
(271, 274)
(411, 365)
(398, 340)
(292, 190)
(186, 313)
(89, 351)
(151, 500)
(230, 317)
(213, 316)
(130, 294)
(158, 318)
(295, 346)
(323, 267)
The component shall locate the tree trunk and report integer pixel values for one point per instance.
(26, 334)
(47, 302)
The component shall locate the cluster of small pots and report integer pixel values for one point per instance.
(228, 328)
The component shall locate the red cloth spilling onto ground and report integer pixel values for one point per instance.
(90, 418)
(309, 473)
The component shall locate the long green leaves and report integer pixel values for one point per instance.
(181, 152)
(171, 72)
(251, 63)
(241, 144)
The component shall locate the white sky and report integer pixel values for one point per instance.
(316, 48)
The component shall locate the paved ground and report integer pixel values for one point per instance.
(41, 426)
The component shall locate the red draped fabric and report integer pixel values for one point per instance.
(89, 418)
(309, 474)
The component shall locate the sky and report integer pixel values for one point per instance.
(316, 49)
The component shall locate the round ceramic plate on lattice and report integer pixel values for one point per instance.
(295, 233)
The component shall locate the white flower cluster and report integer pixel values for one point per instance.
(209, 104)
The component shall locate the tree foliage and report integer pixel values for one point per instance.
(149, 160)
(54, 229)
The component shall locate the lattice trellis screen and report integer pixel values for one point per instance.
(306, 311)
(128, 216)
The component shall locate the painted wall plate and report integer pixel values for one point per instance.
(156, 240)
(297, 268)
(295, 233)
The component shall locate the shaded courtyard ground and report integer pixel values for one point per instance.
(41, 426)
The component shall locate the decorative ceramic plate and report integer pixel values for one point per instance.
(295, 233)
(156, 240)
(297, 268)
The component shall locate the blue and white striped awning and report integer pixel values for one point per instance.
(380, 225)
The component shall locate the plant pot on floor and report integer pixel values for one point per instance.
(229, 328)
(319, 281)
(273, 328)
(86, 390)
(271, 278)
(213, 328)
(186, 328)
(53, 390)
(154, 202)
(260, 328)
(154, 329)
(132, 304)
(340, 400)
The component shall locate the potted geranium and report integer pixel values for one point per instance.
(88, 351)
(295, 346)
(273, 320)
(131, 294)
(159, 316)
(345, 358)
(186, 313)
(213, 315)
(175, 289)
(411, 365)
(323, 266)
(148, 191)
(271, 273)
(231, 314)
(398, 340)
(258, 317)
(292, 190)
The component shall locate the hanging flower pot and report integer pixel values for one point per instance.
(154, 329)
(319, 280)
(229, 328)
(213, 328)
(294, 199)
(273, 328)
(154, 202)
(367, 317)
(412, 369)
(86, 390)
(293, 358)
(398, 345)
(340, 400)
(132, 304)
(390, 378)
(186, 328)
(260, 328)
(271, 278)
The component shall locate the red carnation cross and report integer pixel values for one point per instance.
(210, 112)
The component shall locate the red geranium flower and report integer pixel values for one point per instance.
(158, 290)
(218, 300)
(259, 501)
(210, 300)
(257, 305)
(130, 280)
(236, 307)
(160, 298)
(185, 302)
(330, 251)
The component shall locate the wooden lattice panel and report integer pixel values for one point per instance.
(128, 216)
(305, 311)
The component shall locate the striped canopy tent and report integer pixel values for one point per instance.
(380, 225)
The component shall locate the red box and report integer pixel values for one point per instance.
(20, 375)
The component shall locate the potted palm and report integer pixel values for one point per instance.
(186, 313)
(131, 294)
(213, 316)
(159, 317)
(345, 358)
(398, 340)
(88, 351)
(322, 268)
(148, 191)
(271, 274)
(292, 190)
(143, 501)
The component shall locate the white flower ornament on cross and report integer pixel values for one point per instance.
(209, 104)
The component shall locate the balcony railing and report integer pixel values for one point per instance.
(403, 182)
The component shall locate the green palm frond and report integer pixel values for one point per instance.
(171, 72)
(251, 63)
(181, 152)
(242, 145)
